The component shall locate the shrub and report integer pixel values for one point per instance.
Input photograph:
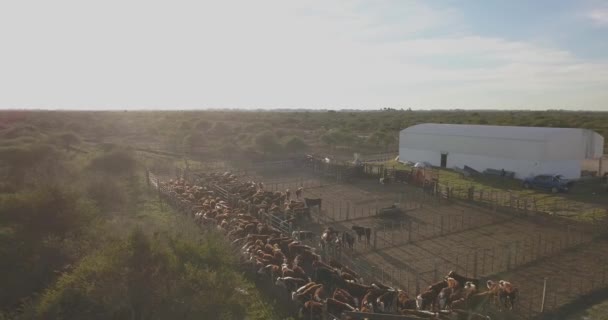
(117, 161)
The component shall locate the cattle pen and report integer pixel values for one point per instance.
(553, 261)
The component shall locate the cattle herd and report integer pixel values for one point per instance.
(321, 287)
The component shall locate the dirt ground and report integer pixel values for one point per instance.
(429, 238)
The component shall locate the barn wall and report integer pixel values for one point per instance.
(570, 169)
(506, 142)
(522, 168)
(483, 146)
(416, 155)
(525, 151)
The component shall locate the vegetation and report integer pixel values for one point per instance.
(83, 237)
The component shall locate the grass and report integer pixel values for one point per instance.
(587, 201)
(596, 312)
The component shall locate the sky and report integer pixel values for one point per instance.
(434, 54)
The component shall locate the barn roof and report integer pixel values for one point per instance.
(500, 132)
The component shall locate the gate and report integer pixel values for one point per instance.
(285, 226)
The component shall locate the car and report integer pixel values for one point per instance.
(554, 183)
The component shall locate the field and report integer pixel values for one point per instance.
(433, 236)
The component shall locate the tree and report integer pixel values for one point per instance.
(23, 160)
(150, 278)
(267, 142)
(328, 139)
(220, 128)
(203, 125)
(377, 138)
(118, 162)
(35, 225)
(193, 141)
(68, 140)
(295, 144)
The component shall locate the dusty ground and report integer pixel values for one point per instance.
(428, 239)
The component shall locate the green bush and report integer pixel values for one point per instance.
(33, 224)
(146, 277)
(117, 162)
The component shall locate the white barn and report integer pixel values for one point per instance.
(524, 150)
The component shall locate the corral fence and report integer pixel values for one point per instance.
(379, 157)
(542, 298)
(516, 203)
(166, 198)
(369, 273)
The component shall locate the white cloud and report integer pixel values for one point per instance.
(599, 16)
(275, 54)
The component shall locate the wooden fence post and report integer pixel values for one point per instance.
(160, 199)
(483, 263)
(542, 303)
(509, 257)
(409, 231)
(475, 264)
(348, 210)
(375, 237)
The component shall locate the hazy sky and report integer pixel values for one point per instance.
(110, 54)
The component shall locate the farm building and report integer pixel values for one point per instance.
(525, 151)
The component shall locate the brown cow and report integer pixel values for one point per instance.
(428, 299)
(336, 307)
(311, 310)
(344, 296)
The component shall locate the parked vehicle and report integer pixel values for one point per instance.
(554, 183)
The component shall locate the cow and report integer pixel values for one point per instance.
(291, 283)
(448, 294)
(328, 238)
(348, 276)
(405, 302)
(348, 239)
(311, 310)
(343, 269)
(295, 248)
(325, 276)
(344, 296)
(378, 285)
(269, 269)
(394, 301)
(356, 290)
(368, 302)
(305, 292)
(386, 301)
(462, 280)
(507, 294)
(473, 302)
(320, 294)
(362, 231)
(336, 307)
(427, 299)
(298, 272)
